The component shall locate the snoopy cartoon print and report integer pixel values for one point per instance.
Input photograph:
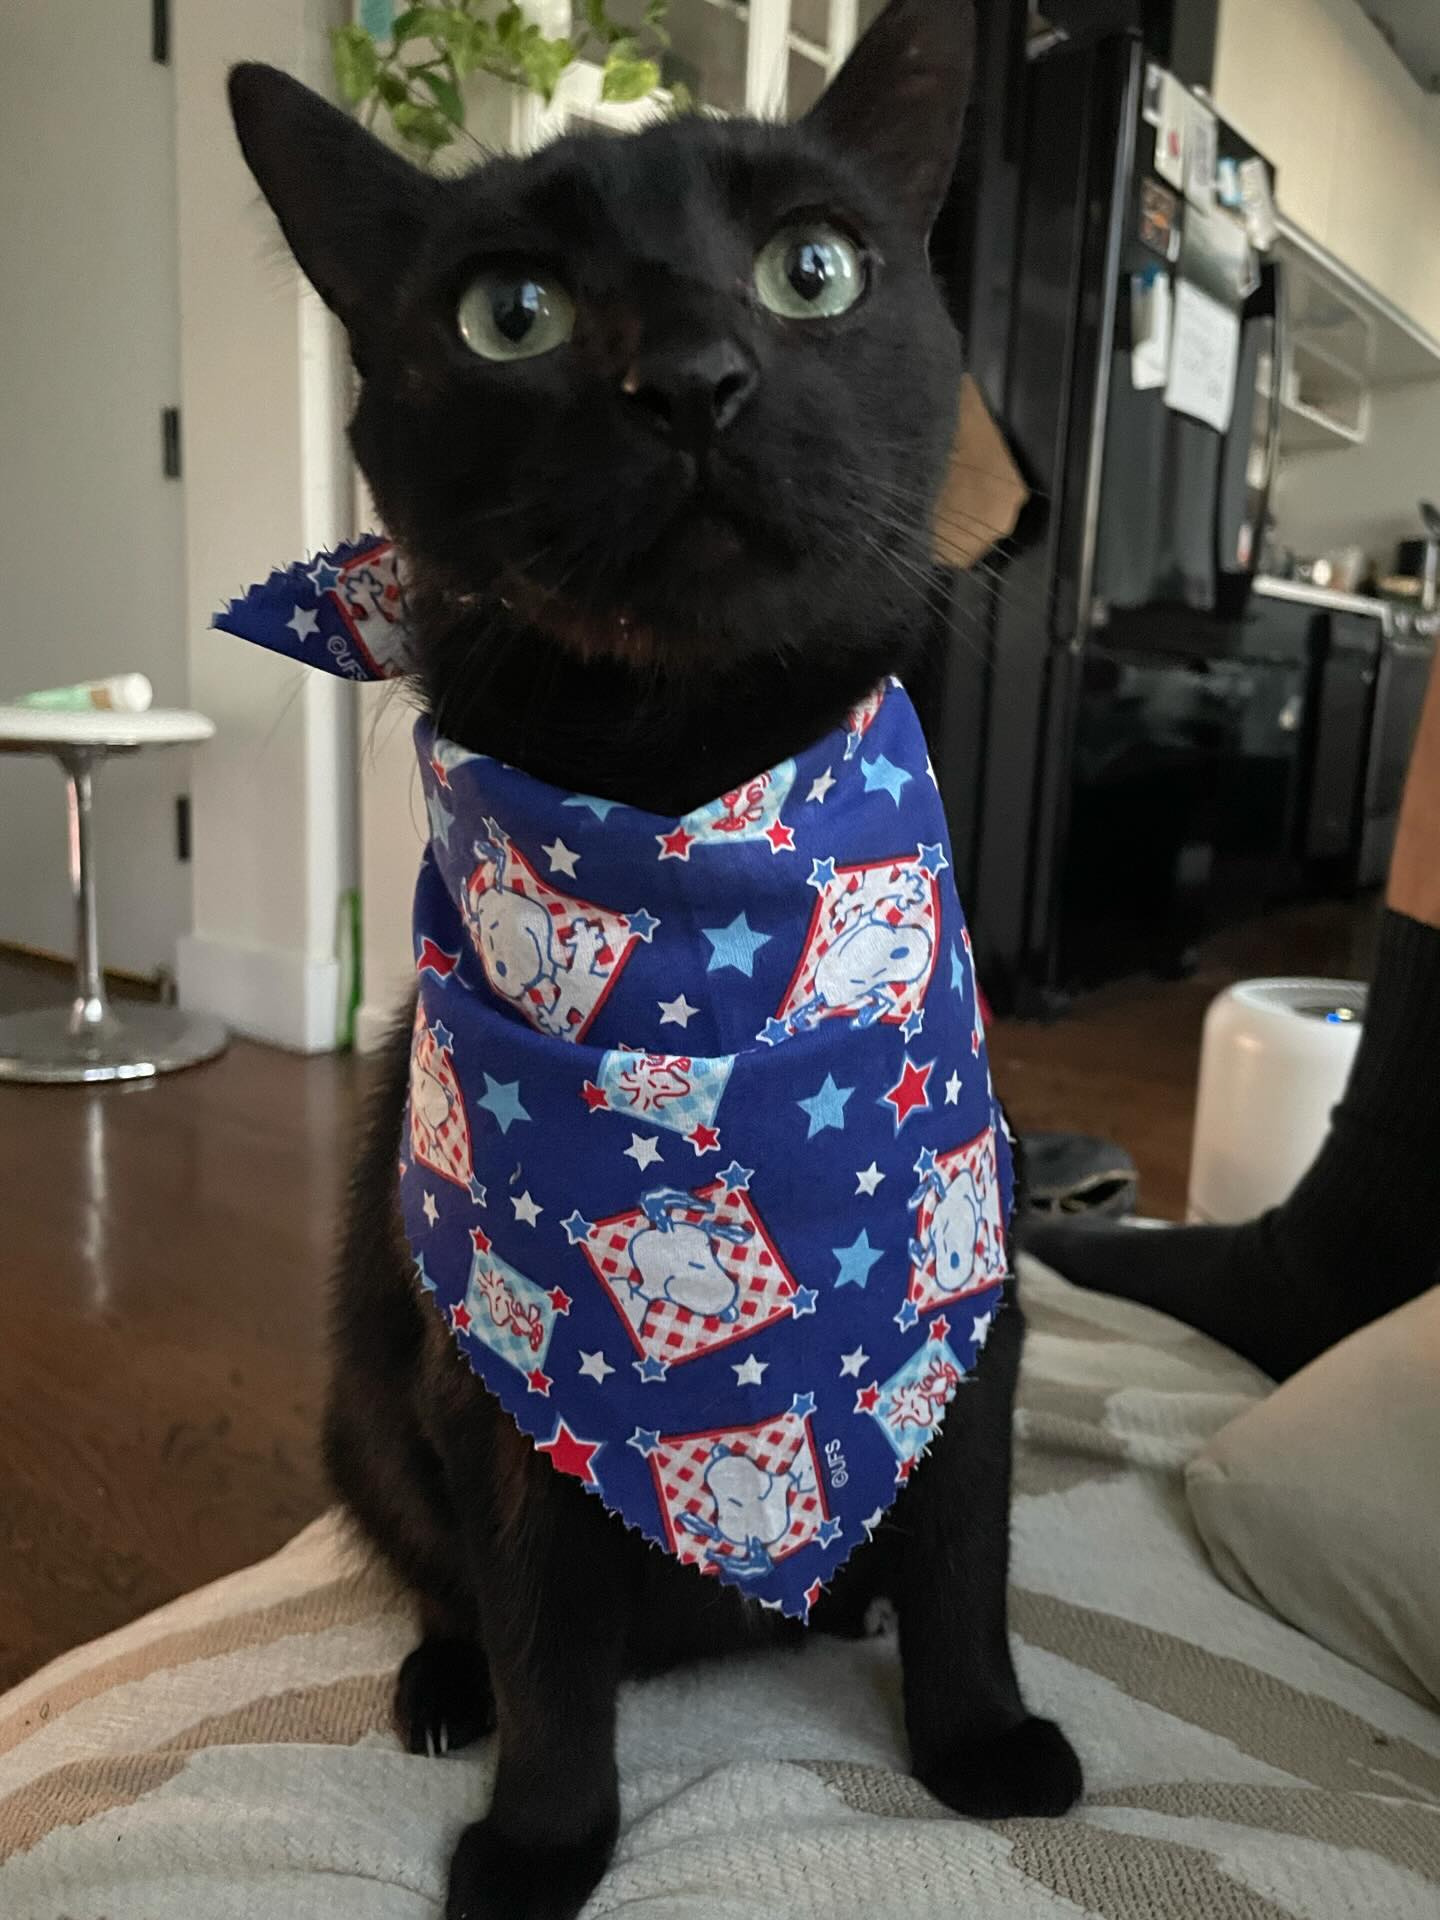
(871, 949)
(552, 957)
(752, 1512)
(959, 1238)
(675, 1258)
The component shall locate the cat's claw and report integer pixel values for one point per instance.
(442, 1698)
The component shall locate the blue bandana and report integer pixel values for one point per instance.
(701, 1164)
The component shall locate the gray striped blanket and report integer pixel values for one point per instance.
(230, 1755)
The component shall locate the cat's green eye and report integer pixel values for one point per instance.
(511, 315)
(809, 272)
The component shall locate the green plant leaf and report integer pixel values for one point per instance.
(629, 79)
(469, 43)
(446, 95)
(357, 62)
(423, 126)
(509, 26)
(544, 61)
(390, 88)
(600, 24)
(423, 23)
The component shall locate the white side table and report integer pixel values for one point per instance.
(91, 1040)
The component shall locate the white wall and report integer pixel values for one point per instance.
(262, 379)
(91, 531)
(1357, 144)
(1367, 494)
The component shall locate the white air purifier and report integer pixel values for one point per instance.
(1274, 1061)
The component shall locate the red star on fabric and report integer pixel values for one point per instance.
(781, 837)
(813, 1593)
(908, 1093)
(440, 771)
(559, 1300)
(676, 845)
(538, 1382)
(434, 959)
(903, 1472)
(570, 1454)
(479, 1240)
(594, 1097)
(867, 1399)
(975, 1042)
(703, 1139)
(939, 1327)
(965, 938)
(460, 1319)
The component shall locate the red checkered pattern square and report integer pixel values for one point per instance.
(660, 1329)
(851, 897)
(974, 1163)
(782, 1445)
(444, 1147)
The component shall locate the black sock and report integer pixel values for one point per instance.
(1359, 1236)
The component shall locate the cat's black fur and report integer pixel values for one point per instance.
(601, 572)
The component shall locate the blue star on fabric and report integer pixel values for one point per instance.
(503, 1101)
(913, 1024)
(826, 1108)
(645, 1440)
(957, 970)
(642, 924)
(926, 1163)
(651, 1369)
(773, 1032)
(822, 873)
(803, 1406)
(736, 1178)
(932, 859)
(443, 1037)
(802, 1301)
(907, 1316)
(324, 576)
(602, 809)
(441, 820)
(577, 1228)
(855, 1261)
(828, 1532)
(882, 776)
(734, 946)
(422, 1276)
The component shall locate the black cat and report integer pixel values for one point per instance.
(658, 423)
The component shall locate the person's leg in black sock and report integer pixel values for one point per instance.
(1360, 1235)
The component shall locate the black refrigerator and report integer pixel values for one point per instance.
(1115, 745)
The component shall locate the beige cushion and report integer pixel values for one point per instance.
(1322, 1502)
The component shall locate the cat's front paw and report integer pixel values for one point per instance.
(442, 1697)
(492, 1878)
(1031, 1770)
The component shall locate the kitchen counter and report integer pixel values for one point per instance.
(1305, 593)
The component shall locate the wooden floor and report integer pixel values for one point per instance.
(163, 1253)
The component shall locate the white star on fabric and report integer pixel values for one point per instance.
(851, 1363)
(303, 622)
(952, 1090)
(561, 859)
(873, 1522)
(821, 786)
(525, 1208)
(867, 1179)
(980, 1331)
(595, 1366)
(429, 1208)
(676, 1013)
(749, 1373)
(643, 1149)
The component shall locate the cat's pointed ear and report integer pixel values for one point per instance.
(899, 100)
(352, 211)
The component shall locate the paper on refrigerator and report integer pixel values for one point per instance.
(1204, 357)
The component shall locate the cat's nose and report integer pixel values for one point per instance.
(688, 394)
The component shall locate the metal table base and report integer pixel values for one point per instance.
(93, 1040)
